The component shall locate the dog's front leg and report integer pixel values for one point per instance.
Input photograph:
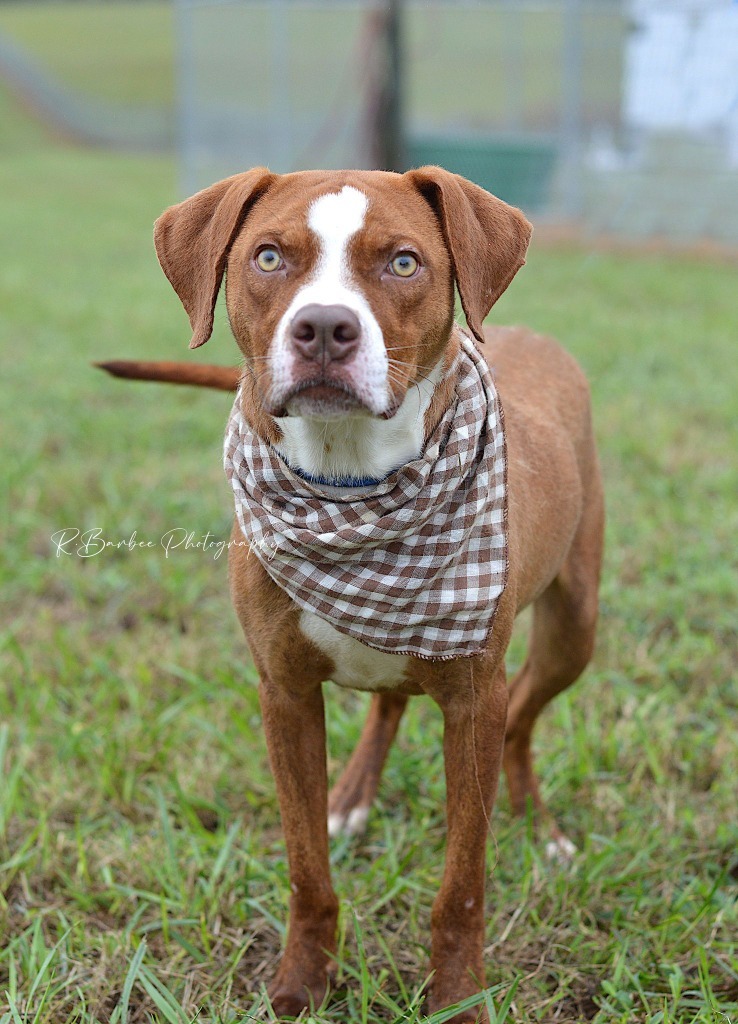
(294, 724)
(474, 705)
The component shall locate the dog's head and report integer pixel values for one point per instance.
(340, 284)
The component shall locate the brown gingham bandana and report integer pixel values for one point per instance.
(414, 564)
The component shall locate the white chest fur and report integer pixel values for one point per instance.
(356, 666)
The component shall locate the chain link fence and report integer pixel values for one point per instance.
(619, 115)
(503, 92)
(84, 118)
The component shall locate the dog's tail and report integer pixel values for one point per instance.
(223, 378)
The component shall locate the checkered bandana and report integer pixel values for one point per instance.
(414, 564)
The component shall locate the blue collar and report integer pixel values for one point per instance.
(341, 481)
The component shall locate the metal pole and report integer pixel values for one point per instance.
(388, 127)
(571, 115)
(186, 100)
(281, 116)
(513, 29)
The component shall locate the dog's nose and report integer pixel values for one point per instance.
(325, 334)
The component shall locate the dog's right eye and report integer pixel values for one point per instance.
(269, 259)
(404, 265)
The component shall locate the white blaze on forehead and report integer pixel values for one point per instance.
(334, 218)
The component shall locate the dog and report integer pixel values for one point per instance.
(402, 498)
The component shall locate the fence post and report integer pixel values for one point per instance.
(186, 97)
(389, 129)
(571, 114)
(281, 109)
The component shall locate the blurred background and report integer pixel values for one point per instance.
(142, 871)
(616, 116)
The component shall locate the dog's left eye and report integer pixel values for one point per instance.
(404, 265)
(268, 259)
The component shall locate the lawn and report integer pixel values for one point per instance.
(120, 51)
(142, 871)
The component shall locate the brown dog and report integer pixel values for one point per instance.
(340, 294)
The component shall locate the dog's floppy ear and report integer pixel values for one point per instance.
(193, 240)
(486, 238)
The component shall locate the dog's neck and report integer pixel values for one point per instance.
(359, 448)
(356, 450)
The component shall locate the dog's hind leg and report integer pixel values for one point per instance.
(561, 645)
(352, 796)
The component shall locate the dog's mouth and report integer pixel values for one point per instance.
(318, 397)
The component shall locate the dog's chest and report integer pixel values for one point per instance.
(355, 665)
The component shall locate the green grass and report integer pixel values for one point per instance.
(142, 873)
(121, 51)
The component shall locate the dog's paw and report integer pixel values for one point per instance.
(294, 989)
(561, 851)
(288, 1005)
(350, 823)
